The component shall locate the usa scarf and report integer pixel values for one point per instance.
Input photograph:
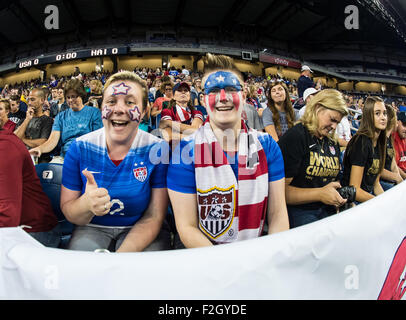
(230, 210)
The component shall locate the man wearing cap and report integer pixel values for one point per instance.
(399, 141)
(180, 118)
(305, 81)
(307, 96)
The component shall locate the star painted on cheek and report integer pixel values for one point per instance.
(135, 114)
(121, 88)
(106, 112)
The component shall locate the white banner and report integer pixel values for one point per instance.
(347, 256)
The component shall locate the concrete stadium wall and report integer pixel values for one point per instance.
(17, 77)
(400, 90)
(368, 87)
(67, 68)
(181, 60)
(131, 62)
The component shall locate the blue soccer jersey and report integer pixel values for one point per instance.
(181, 171)
(129, 184)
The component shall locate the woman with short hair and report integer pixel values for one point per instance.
(5, 109)
(111, 188)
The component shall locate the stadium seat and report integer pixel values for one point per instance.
(50, 176)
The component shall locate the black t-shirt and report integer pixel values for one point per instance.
(310, 161)
(17, 117)
(363, 154)
(40, 128)
(390, 153)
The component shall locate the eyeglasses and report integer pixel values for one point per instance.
(168, 89)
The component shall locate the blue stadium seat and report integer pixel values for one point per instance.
(50, 176)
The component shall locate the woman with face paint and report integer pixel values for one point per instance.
(365, 154)
(114, 182)
(226, 179)
(311, 154)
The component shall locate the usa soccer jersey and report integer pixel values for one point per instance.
(129, 183)
(181, 172)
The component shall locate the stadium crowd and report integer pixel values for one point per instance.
(190, 159)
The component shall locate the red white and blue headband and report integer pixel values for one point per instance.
(221, 80)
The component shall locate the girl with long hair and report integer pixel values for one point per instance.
(390, 174)
(279, 116)
(365, 154)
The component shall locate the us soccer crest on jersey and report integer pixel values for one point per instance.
(140, 172)
(216, 213)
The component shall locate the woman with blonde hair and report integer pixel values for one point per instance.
(365, 154)
(279, 116)
(95, 98)
(252, 98)
(112, 189)
(311, 156)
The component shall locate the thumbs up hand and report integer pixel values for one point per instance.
(98, 199)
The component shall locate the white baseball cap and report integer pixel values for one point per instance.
(308, 92)
(307, 68)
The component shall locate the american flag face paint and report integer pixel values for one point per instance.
(212, 99)
(221, 80)
(222, 86)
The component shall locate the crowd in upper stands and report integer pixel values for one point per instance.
(338, 149)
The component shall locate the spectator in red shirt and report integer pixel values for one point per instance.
(399, 139)
(166, 89)
(180, 118)
(22, 200)
(4, 111)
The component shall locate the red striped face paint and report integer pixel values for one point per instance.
(213, 98)
(237, 98)
(211, 101)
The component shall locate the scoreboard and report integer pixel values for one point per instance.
(71, 55)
